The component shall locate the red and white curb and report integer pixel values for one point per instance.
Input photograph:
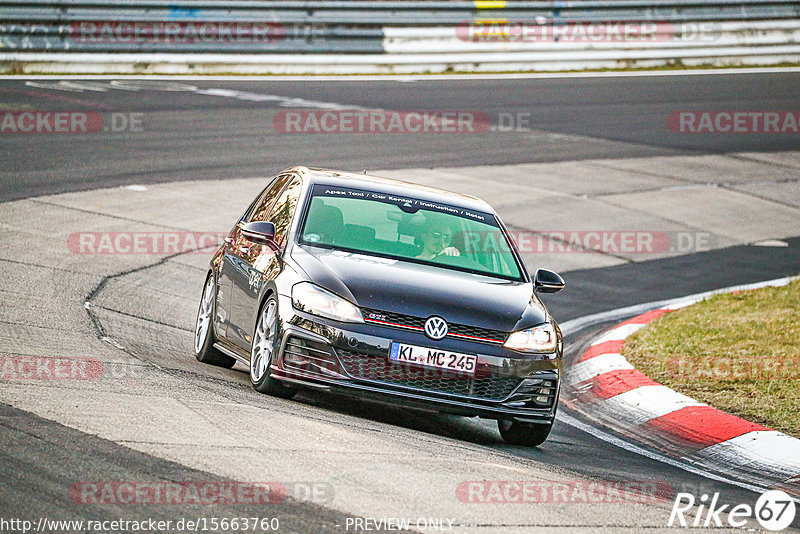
(603, 386)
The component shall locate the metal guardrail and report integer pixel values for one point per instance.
(322, 26)
(430, 33)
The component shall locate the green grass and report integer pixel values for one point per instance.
(737, 352)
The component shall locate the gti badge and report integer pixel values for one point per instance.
(435, 328)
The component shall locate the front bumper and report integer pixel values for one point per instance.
(353, 359)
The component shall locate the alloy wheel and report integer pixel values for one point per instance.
(263, 341)
(204, 315)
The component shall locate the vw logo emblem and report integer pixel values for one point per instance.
(436, 328)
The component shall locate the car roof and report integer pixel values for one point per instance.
(390, 186)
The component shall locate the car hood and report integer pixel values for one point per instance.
(422, 290)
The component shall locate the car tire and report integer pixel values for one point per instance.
(527, 434)
(204, 337)
(266, 341)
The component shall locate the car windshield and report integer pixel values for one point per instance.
(408, 229)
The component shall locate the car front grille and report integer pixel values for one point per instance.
(401, 320)
(381, 369)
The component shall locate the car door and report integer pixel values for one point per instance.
(257, 263)
(234, 256)
(224, 282)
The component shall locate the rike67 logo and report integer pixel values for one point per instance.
(774, 510)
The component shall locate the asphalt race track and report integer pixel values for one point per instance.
(200, 138)
(189, 136)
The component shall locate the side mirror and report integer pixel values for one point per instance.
(547, 282)
(259, 232)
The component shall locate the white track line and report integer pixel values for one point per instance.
(418, 77)
(753, 450)
(622, 444)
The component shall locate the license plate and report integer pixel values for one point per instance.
(440, 359)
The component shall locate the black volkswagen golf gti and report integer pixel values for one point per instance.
(384, 289)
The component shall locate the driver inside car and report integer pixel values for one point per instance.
(437, 241)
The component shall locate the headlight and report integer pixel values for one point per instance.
(539, 339)
(313, 299)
